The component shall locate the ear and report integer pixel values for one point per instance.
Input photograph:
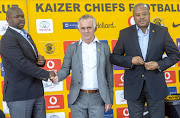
(7, 19)
(95, 29)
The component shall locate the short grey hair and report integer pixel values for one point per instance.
(87, 16)
(141, 5)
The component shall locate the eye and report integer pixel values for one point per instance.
(82, 28)
(89, 28)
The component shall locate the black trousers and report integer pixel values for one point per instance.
(156, 108)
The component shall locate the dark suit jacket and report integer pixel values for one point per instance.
(127, 47)
(73, 60)
(23, 78)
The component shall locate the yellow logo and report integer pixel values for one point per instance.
(49, 48)
(158, 21)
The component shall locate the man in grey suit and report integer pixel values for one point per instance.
(91, 90)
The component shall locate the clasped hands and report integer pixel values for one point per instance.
(53, 77)
(152, 65)
(52, 74)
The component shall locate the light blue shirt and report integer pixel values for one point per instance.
(143, 40)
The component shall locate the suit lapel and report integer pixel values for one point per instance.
(32, 42)
(98, 51)
(151, 37)
(79, 52)
(135, 37)
(20, 37)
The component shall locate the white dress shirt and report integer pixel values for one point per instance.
(89, 62)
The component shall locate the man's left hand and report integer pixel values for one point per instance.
(108, 107)
(152, 65)
(41, 59)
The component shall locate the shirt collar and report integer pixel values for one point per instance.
(140, 29)
(95, 40)
(18, 30)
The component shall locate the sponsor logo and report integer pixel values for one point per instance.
(49, 86)
(122, 112)
(108, 114)
(119, 96)
(54, 102)
(170, 77)
(158, 21)
(131, 21)
(119, 80)
(2, 70)
(66, 43)
(105, 25)
(3, 27)
(70, 25)
(175, 25)
(49, 48)
(44, 25)
(172, 90)
(52, 64)
(55, 115)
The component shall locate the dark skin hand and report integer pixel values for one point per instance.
(41, 59)
(152, 65)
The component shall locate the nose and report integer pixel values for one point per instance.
(21, 18)
(86, 30)
(141, 16)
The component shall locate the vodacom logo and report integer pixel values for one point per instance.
(122, 78)
(126, 112)
(50, 64)
(167, 75)
(53, 100)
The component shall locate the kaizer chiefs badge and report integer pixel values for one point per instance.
(158, 21)
(49, 48)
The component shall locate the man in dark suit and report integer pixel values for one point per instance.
(140, 49)
(23, 89)
(91, 90)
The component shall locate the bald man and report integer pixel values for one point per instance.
(23, 89)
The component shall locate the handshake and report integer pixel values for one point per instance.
(53, 77)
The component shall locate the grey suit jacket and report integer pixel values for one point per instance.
(73, 61)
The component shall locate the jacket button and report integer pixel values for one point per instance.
(142, 75)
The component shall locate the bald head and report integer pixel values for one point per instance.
(15, 17)
(140, 5)
(11, 10)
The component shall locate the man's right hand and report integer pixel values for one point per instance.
(137, 60)
(52, 74)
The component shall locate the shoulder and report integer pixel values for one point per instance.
(157, 27)
(128, 29)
